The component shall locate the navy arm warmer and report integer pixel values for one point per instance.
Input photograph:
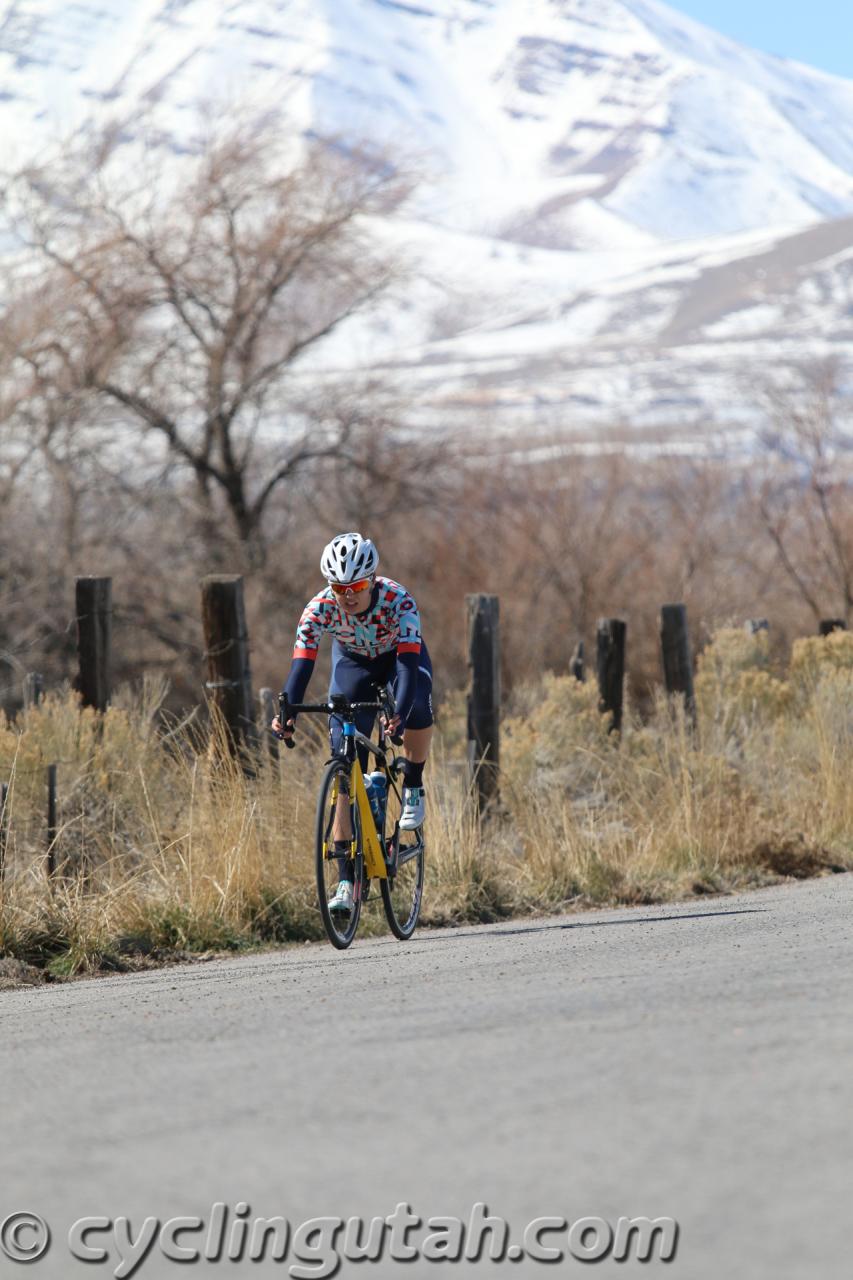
(300, 673)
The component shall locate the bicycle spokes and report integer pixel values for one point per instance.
(339, 869)
(403, 890)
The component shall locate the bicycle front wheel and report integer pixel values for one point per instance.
(334, 792)
(403, 890)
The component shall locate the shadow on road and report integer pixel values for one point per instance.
(424, 935)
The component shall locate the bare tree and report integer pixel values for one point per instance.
(186, 306)
(806, 496)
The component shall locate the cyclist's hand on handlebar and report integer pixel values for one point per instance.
(285, 734)
(392, 725)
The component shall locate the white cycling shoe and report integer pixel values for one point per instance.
(414, 807)
(342, 901)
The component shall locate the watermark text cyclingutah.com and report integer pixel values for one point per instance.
(316, 1248)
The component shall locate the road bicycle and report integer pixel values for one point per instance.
(379, 849)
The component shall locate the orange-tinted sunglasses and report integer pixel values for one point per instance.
(341, 588)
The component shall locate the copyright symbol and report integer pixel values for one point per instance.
(24, 1237)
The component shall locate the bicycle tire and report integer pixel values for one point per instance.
(340, 931)
(402, 891)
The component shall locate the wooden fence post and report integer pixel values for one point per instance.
(226, 643)
(51, 820)
(484, 695)
(610, 667)
(4, 827)
(576, 662)
(828, 625)
(268, 710)
(94, 637)
(675, 650)
(33, 688)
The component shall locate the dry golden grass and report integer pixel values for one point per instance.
(165, 847)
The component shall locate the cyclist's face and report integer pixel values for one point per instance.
(355, 601)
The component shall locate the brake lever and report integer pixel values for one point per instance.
(388, 713)
(284, 716)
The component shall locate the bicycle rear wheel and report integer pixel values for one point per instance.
(402, 891)
(340, 926)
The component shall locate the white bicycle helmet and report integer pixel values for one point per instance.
(349, 557)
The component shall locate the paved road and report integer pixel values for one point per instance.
(693, 1061)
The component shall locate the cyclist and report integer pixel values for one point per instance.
(376, 641)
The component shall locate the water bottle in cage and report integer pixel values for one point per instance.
(376, 792)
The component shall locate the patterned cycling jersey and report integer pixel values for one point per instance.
(390, 623)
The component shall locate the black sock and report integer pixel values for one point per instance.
(346, 865)
(414, 773)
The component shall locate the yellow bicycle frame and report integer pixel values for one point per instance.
(374, 863)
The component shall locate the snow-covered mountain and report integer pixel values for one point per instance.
(625, 212)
